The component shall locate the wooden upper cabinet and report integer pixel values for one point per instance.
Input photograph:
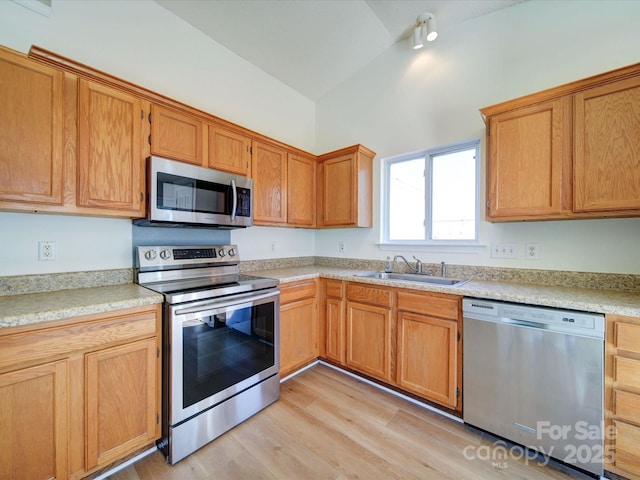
(32, 132)
(345, 188)
(229, 151)
(176, 135)
(269, 173)
(110, 153)
(301, 190)
(529, 155)
(607, 147)
(572, 151)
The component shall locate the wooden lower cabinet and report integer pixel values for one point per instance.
(80, 395)
(369, 345)
(121, 388)
(334, 321)
(299, 334)
(34, 417)
(622, 396)
(427, 357)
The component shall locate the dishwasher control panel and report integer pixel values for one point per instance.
(591, 324)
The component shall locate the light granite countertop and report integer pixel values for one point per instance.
(31, 308)
(586, 299)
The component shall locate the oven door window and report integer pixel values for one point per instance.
(226, 348)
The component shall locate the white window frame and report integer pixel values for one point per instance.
(428, 154)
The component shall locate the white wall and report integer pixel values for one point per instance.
(405, 101)
(143, 43)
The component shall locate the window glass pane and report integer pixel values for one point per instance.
(407, 200)
(453, 211)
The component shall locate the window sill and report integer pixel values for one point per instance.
(463, 247)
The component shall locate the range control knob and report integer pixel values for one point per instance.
(222, 252)
(232, 252)
(165, 254)
(150, 254)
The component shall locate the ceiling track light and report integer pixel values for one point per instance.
(425, 29)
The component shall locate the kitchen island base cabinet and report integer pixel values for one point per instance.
(81, 394)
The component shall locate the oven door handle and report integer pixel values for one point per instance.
(216, 307)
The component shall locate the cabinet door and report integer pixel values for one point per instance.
(339, 192)
(528, 161)
(298, 334)
(110, 155)
(176, 135)
(31, 136)
(269, 172)
(427, 353)
(122, 411)
(301, 191)
(335, 334)
(368, 337)
(607, 147)
(229, 151)
(34, 422)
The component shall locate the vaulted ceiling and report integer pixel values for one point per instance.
(314, 45)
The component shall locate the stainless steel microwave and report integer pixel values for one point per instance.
(179, 194)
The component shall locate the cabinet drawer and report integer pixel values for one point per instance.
(627, 406)
(36, 345)
(357, 292)
(333, 288)
(429, 304)
(292, 292)
(627, 372)
(627, 337)
(627, 447)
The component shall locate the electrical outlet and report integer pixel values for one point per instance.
(532, 251)
(341, 247)
(273, 246)
(46, 250)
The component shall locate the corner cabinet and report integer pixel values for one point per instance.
(83, 393)
(301, 190)
(110, 159)
(622, 396)
(568, 152)
(345, 186)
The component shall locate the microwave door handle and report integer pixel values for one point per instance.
(235, 199)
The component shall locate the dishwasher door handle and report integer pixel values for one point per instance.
(523, 323)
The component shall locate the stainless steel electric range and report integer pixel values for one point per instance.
(221, 333)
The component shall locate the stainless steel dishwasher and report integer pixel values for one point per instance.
(535, 376)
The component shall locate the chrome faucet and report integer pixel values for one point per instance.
(416, 269)
(443, 269)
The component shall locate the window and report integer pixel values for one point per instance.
(431, 196)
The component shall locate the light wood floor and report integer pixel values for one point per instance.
(328, 425)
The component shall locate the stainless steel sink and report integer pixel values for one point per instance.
(414, 277)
